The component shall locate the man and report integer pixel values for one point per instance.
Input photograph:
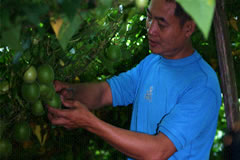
(174, 92)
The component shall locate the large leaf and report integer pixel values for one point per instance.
(65, 28)
(202, 12)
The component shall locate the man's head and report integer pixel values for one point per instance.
(169, 28)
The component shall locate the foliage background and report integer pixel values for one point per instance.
(78, 54)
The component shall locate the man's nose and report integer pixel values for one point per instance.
(152, 28)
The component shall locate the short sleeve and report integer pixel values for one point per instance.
(195, 110)
(124, 86)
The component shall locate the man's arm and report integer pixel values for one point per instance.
(93, 95)
(136, 145)
(139, 146)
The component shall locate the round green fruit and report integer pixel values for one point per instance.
(37, 108)
(45, 74)
(45, 89)
(50, 93)
(30, 91)
(55, 102)
(5, 148)
(22, 131)
(30, 75)
(113, 53)
(4, 86)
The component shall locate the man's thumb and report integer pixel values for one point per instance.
(69, 103)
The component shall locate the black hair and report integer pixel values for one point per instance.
(180, 13)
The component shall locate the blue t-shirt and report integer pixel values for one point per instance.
(179, 98)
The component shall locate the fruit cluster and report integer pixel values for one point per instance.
(38, 89)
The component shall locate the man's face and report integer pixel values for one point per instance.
(166, 36)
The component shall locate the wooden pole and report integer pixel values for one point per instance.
(228, 80)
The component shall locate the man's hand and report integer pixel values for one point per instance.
(92, 95)
(64, 90)
(59, 86)
(76, 116)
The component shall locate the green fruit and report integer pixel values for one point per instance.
(5, 148)
(2, 127)
(4, 86)
(50, 93)
(22, 131)
(45, 89)
(37, 109)
(113, 53)
(30, 91)
(30, 75)
(55, 102)
(45, 74)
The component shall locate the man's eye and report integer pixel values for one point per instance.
(161, 26)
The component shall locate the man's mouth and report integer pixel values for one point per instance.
(152, 43)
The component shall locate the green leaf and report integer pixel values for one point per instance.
(68, 29)
(202, 11)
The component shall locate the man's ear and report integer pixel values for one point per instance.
(189, 28)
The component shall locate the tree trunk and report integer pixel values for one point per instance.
(228, 80)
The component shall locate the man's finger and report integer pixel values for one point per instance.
(60, 85)
(67, 93)
(58, 112)
(70, 103)
(50, 116)
(57, 85)
(68, 127)
(60, 121)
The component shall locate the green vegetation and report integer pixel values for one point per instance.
(22, 131)
(45, 74)
(30, 92)
(73, 41)
(113, 53)
(37, 108)
(5, 148)
(55, 101)
(2, 128)
(30, 75)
